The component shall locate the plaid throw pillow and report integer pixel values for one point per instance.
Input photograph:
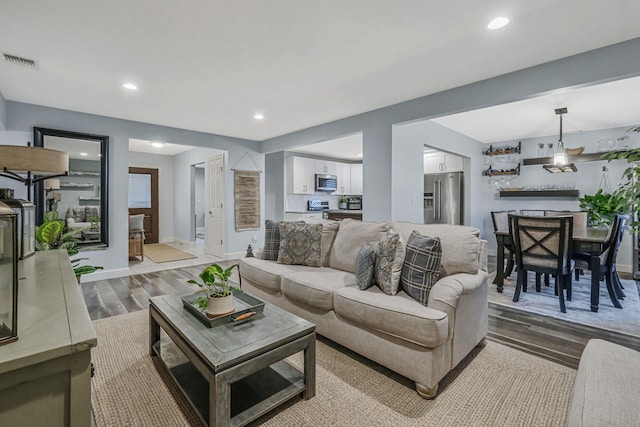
(421, 267)
(271, 240)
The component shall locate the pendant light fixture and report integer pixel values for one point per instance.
(560, 160)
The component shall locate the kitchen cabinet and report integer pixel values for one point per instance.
(300, 175)
(325, 167)
(343, 172)
(356, 179)
(300, 216)
(439, 162)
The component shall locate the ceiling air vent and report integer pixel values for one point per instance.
(12, 59)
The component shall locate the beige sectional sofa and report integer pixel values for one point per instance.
(422, 343)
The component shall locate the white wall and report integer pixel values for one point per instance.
(199, 190)
(407, 165)
(164, 164)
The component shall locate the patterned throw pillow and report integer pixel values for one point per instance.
(389, 259)
(365, 265)
(271, 240)
(421, 267)
(300, 244)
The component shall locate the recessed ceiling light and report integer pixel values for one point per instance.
(130, 86)
(258, 116)
(83, 154)
(157, 144)
(498, 22)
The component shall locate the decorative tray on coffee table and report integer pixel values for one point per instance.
(245, 305)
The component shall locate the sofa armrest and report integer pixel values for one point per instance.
(446, 293)
(70, 221)
(258, 253)
(482, 255)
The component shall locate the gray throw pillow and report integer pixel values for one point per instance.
(365, 265)
(300, 244)
(421, 267)
(271, 240)
(389, 260)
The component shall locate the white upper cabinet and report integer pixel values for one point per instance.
(300, 175)
(356, 179)
(325, 167)
(343, 172)
(439, 162)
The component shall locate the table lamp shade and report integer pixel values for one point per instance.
(37, 160)
(52, 184)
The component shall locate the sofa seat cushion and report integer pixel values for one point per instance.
(268, 274)
(397, 315)
(460, 244)
(315, 288)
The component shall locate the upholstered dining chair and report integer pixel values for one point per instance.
(532, 212)
(543, 245)
(580, 222)
(608, 270)
(501, 223)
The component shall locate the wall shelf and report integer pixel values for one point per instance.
(89, 198)
(503, 151)
(84, 173)
(588, 157)
(76, 186)
(501, 172)
(541, 193)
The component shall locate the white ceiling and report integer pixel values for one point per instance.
(347, 148)
(211, 65)
(609, 105)
(142, 146)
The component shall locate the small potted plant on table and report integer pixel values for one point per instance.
(95, 223)
(219, 296)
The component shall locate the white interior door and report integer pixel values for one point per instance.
(214, 232)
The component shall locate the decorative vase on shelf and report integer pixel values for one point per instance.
(220, 306)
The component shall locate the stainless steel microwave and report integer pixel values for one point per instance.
(327, 183)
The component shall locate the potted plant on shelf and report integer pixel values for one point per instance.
(219, 296)
(342, 203)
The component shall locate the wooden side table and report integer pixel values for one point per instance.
(136, 243)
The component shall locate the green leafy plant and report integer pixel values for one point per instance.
(50, 235)
(602, 207)
(215, 280)
(629, 189)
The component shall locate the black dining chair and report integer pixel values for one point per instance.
(501, 223)
(608, 270)
(580, 221)
(543, 245)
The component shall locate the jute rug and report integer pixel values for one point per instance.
(625, 320)
(494, 386)
(160, 252)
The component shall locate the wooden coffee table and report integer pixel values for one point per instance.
(232, 374)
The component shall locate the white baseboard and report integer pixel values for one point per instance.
(167, 240)
(105, 274)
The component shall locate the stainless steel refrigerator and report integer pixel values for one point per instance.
(443, 198)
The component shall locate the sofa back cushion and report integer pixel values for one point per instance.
(351, 235)
(78, 213)
(460, 244)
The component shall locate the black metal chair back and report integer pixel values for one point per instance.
(501, 220)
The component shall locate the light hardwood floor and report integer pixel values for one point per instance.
(549, 338)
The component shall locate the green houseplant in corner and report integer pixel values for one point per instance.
(219, 296)
(602, 207)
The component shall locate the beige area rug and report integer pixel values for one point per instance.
(546, 303)
(160, 252)
(494, 386)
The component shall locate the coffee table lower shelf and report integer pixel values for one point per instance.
(251, 397)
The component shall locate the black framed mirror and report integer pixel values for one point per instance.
(81, 198)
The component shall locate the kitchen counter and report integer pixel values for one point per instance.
(345, 210)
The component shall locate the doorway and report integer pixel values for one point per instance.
(197, 203)
(214, 213)
(143, 199)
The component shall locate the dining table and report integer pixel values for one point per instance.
(586, 240)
